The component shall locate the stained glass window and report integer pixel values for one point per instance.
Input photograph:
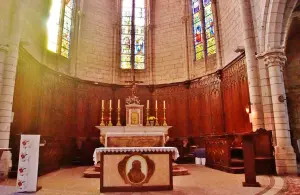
(59, 27)
(133, 33)
(203, 21)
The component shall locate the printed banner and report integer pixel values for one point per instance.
(28, 163)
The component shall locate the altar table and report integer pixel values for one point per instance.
(135, 168)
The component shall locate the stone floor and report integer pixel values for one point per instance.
(202, 180)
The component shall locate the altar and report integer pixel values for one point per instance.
(135, 168)
(134, 157)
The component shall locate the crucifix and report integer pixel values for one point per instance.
(133, 82)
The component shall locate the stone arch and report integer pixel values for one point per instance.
(291, 77)
(276, 16)
(295, 14)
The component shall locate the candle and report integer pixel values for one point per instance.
(109, 103)
(118, 103)
(102, 104)
(164, 104)
(148, 104)
(155, 104)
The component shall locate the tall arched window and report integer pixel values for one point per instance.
(203, 27)
(133, 34)
(59, 27)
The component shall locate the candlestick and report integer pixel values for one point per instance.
(147, 104)
(102, 104)
(118, 103)
(155, 104)
(109, 104)
(147, 112)
(156, 124)
(119, 122)
(165, 120)
(102, 116)
(109, 119)
(164, 104)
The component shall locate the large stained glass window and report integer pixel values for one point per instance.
(203, 21)
(59, 27)
(133, 34)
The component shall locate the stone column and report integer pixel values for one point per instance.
(217, 34)
(116, 37)
(8, 82)
(285, 156)
(252, 66)
(149, 36)
(184, 20)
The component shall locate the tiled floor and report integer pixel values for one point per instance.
(201, 181)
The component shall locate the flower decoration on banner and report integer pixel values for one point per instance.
(22, 171)
(21, 184)
(23, 156)
(151, 118)
(25, 143)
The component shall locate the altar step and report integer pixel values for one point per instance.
(179, 170)
(95, 171)
(91, 173)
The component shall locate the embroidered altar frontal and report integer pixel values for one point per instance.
(134, 140)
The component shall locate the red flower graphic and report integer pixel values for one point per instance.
(21, 170)
(25, 142)
(23, 156)
(20, 183)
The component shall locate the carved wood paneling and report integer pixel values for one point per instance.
(176, 98)
(65, 108)
(236, 98)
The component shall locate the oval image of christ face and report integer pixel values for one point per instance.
(136, 169)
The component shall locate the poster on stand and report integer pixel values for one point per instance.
(28, 163)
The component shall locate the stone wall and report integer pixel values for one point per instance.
(94, 50)
(231, 31)
(168, 48)
(5, 8)
(34, 32)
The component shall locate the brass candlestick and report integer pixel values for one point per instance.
(109, 122)
(102, 118)
(156, 124)
(147, 113)
(165, 120)
(119, 122)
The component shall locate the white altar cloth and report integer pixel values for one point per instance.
(124, 134)
(98, 151)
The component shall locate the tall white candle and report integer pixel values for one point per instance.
(118, 103)
(148, 104)
(109, 103)
(164, 104)
(102, 104)
(156, 104)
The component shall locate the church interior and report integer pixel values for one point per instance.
(150, 97)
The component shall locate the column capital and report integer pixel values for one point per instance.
(274, 57)
(4, 47)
